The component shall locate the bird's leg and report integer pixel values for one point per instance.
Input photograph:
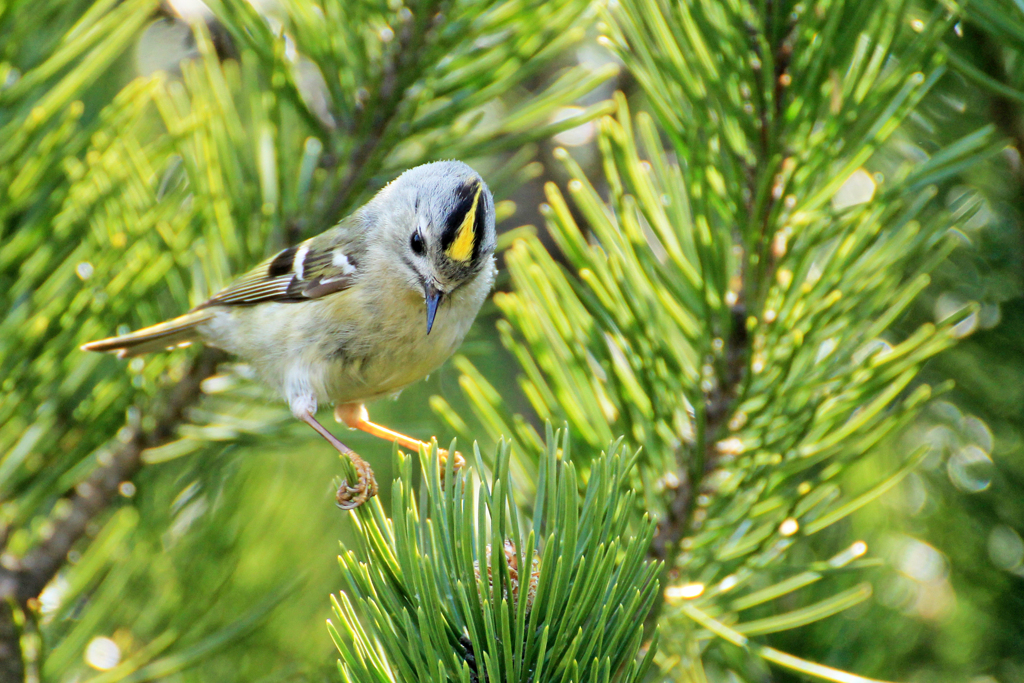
(354, 416)
(349, 497)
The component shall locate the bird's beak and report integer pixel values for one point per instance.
(433, 298)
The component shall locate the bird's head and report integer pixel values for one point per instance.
(439, 223)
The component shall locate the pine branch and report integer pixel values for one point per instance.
(95, 494)
(679, 510)
(22, 580)
(376, 115)
(736, 229)
(719, 402)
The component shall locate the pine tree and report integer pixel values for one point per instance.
(716, 328)
(729, 303)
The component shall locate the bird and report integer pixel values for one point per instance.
(358, 312)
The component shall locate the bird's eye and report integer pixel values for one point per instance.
(416, 242)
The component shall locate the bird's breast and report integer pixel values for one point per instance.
(389, 347)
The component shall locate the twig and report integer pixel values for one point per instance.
(717, 404)
(671, 530)
(384, 105)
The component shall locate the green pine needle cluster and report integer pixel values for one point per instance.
(563, 600)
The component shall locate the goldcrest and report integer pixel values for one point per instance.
(358, 312)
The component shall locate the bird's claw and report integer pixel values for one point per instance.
(442, 460)
(351, 497)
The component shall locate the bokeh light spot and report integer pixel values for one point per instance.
(970, 469)
(102, 654)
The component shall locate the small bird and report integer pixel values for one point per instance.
(358, 312)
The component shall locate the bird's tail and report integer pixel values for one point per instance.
(153, 338)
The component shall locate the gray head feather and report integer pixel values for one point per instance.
(437, 223)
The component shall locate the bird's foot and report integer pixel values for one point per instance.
(350, 497)
(442, 460)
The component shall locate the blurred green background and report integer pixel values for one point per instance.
(252, 526)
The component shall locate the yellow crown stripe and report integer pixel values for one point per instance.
(461, 248)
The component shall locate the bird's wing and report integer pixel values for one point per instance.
(321, 265)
